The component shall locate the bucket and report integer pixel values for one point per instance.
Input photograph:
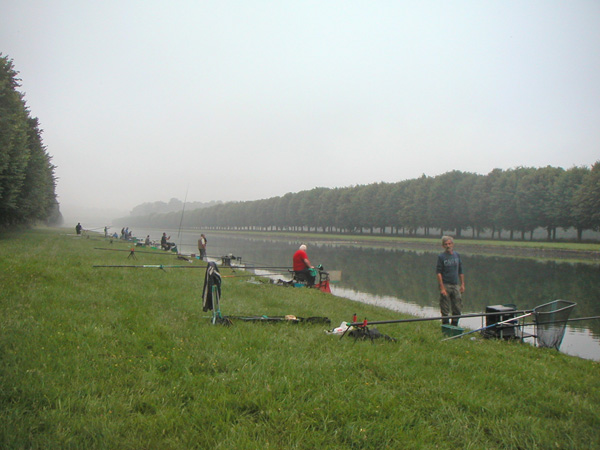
(452, 330)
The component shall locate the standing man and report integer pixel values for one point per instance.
(202, 246)
(302, 266)
(451, 280)
(78, 228)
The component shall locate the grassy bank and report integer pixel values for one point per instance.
(101, 358)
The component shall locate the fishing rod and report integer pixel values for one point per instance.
(248, 276)
(182, 211)
(137, 251)
(152, 266)
(156, 266)
(98, 228)
(424, 319)
(230, 255)
(575, 319)
(489, 326)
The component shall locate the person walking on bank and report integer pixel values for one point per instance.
(451, 280)
(202, 246)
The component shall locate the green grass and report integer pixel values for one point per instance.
(100, 358)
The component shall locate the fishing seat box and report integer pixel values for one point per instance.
(452, 330)
(504, 331)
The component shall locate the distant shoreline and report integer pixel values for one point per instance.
(563, 251)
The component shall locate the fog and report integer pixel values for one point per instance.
(244, 100)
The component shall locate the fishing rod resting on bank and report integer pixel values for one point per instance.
(495, 324)
(550, 320)
(148, 266)
(426, 319)
(136, 251)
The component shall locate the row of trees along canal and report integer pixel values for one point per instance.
(516, 201)
(27, 181)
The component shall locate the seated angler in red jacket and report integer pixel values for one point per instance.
(302, 266)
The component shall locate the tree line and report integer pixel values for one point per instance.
(27, 181)
(174, 205)
(504, 204)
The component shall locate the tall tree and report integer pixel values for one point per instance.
(394, 204)
(14, 151)
(447, 204)
(479, 205)
(414, 212)
(535, 194)
(504, 197)
(587, 200)
(37, 198)
(562, 205)
(27, 182)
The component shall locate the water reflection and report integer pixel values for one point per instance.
(404, 280)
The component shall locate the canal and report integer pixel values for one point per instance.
(404, 280)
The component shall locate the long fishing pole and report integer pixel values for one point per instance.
(248, 276)
(155, 266)
(182, 211)
(575, 319)
(97, 228)
(531, 324)
(231, 256)
(489, 326)
(152, 266)
(136, 251)
(424, 319)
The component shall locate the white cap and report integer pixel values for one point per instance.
(303, 247)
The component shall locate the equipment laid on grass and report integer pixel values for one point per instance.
(495, 324)
(503, 313)
(298, 280)
(426, 319)
(505, 322)
(287, 318)
(452, 330)
(550, 322)
(360, 331)
(362, 334)
(211, 295)
(226, 259)
(211, 301)
(151, 266)
(138, 251)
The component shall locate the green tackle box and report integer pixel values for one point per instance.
(452, 330)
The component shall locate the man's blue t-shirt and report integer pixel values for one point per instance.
(450, 266)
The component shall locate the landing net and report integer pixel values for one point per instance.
(550, 321)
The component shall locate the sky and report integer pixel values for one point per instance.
(144, 101)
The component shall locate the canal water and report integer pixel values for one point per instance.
(404, 280)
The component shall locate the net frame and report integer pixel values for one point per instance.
(550, 321)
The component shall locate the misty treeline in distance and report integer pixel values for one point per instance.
(27, 181)
(504, 203)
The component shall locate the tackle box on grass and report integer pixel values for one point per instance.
(502, 331)
(452, 330)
